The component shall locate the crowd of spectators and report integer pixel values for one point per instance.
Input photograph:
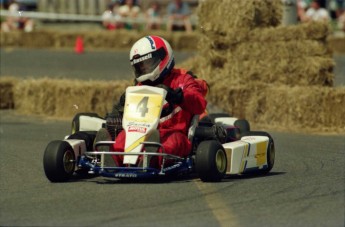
(173, 15)
(176, 16)
(322, 10)
(129, 14)
(15, 21)
(119, 14)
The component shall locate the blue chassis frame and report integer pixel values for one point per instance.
(181, 165)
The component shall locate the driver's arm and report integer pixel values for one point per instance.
(193, 99)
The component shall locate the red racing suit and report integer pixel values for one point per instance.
(173, 128)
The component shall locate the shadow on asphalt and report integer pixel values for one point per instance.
(166, 179)
(251, 175)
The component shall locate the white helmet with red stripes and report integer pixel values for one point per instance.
(151, 58)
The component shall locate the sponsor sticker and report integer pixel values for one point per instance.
(143, 58)
(128, 175)
(136, 129)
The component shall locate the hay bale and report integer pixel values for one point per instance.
(302, 71)
(65, 39)
(221, 15)
(184, 41)
(307, 31)
(119, 39)
(258, 50)
(251, 67)
(10, 39)
(6, 92)
(294, 71)
(310, 107)
(65, 98)
(234, 99)
(36, 40)
(303, 107)
(336, 44)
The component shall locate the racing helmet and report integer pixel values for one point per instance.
(151, 58)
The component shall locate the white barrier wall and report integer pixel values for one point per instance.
(86, 7)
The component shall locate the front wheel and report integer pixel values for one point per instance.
(59, 161)
(210, 161)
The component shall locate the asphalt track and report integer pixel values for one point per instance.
(101, 65)
(305, 188)
(91, 65)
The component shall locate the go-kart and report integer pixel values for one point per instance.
(241, 151)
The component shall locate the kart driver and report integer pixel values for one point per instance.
(153, 63)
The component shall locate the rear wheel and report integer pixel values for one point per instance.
(271, 153)
(59, 161)
(243, 125)
(210, 161)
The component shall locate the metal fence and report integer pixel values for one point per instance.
(91, 7)
(85, 7)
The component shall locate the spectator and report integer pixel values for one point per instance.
(336, 7)
(302, 7)
(16, 21)
(129, 11)
(340, 8)
(341, 22)
(178, 14)
(153, 16)
(315, 13)
(111, 19)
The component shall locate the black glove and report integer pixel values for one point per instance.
(119, 107)
(173, 96)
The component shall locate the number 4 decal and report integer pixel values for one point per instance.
(142, 106)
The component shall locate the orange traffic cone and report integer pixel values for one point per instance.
(79, 45)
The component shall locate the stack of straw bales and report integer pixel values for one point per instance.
(118, 39)
(6, 92)
(64, 98)
(270, 74)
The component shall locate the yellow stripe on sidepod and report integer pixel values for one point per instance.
(228, 152)
(244, 155)
(261, 153)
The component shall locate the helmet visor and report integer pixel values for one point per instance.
(146, 63)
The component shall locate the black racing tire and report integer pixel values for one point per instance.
(271, 153)
(59, 161)
(243, 125)
(76, 122)
(210, 161)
